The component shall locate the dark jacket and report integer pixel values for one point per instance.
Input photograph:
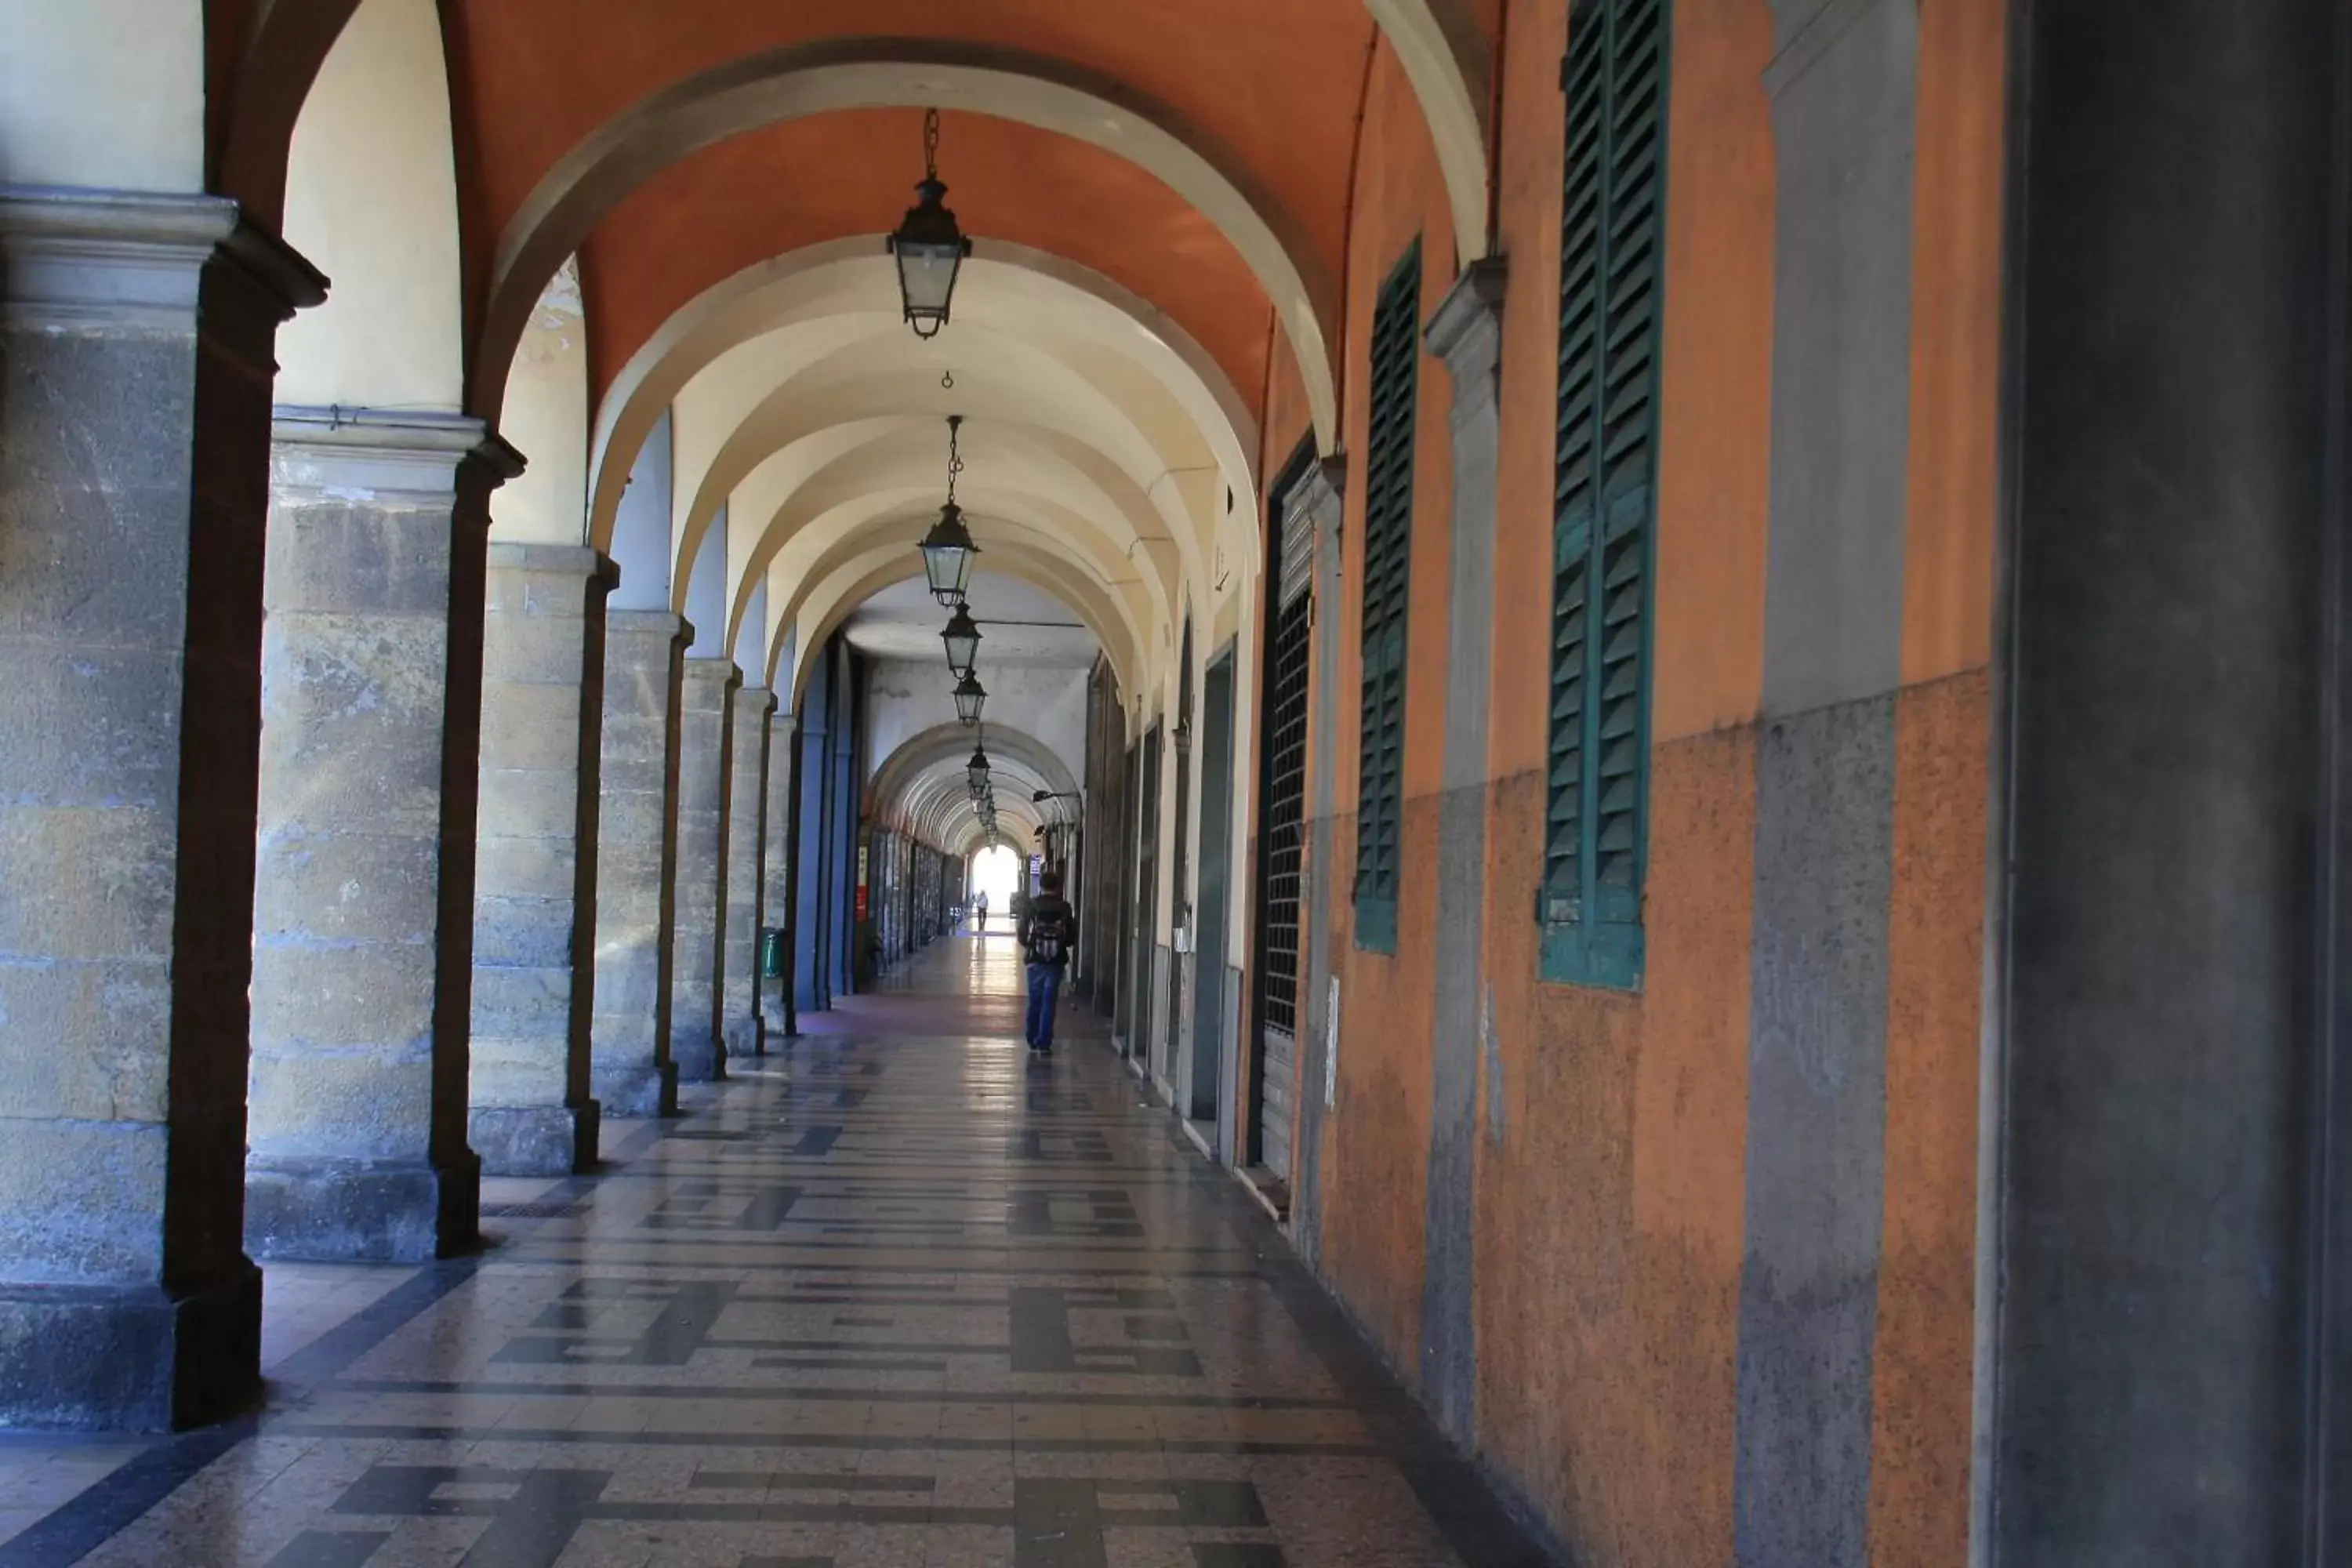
(1047, 906)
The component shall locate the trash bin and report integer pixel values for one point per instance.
(771, 953)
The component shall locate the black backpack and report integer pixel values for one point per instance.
(1049, 934)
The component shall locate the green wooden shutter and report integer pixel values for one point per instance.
(1612, 243)
(1388, 555)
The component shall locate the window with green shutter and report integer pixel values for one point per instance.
(1613, 251)
(1388, 552)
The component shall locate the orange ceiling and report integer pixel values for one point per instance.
(773, 191)
(1272, 83)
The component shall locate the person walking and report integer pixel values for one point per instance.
(1048, 930)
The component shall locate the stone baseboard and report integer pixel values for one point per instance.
(133, 1358)
(746, 1036)
(362, 1211)
(649, 1090)
(533, 1140)
(699, 1057)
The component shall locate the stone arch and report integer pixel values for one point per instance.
(807, 282)
(371, 198)
(1054, 483)
(1448, 60)
(926, 773)
(285, 45)
(876, 529)
(860, 73)
(818, 604)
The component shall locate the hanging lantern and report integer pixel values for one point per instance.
(928, 245)
(947, 549)
(975, 772)
(962, 640)
(971, 696)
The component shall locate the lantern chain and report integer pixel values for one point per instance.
(930, 144)
(955, 456)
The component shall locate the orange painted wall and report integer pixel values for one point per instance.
(1375, 1144)
(1610, 1156)
(1611, 1198)
(1927, 1285)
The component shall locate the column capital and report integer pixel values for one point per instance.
(1466, 331)
(384, 451)
(581, 561)
(756, 699)
(1317, 497)
(119, 259)
(647, 623)
(719, 673)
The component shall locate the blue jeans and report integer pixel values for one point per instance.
(1044, 988)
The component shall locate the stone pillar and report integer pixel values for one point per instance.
(1466, 333)
(2170, 1207)
(705, 769)
(630, 1070)
(776, 867)
(363, 895)
(135, 362)
(747, 801)
(533, 1110)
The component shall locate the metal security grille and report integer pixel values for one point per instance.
(1611, 250)
(1281, 837)
(1388, 551)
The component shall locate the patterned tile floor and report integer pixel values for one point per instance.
(893, 1296)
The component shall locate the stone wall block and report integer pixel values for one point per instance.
(370, 708)
(521, 933)
(385, 558)
(97, 1025)
(81, 882)
(697, 1024)
(56, 755)
(85, 1201)
(631, 1070)
(318, 887)
(348, 1106)
(132, 444)
(744, 1028)
(531, 1111)
(525, 869)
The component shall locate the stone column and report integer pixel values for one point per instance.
(630, 1070)
(135, 362)
(533, 1111)
(706, 766)
(363, 894)
(747, 801)
(1466, 333)
(2165, 1303)
(776, 867)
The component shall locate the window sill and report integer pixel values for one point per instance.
(1598, 957)
(1376, 925)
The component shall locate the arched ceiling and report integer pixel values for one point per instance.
(1159, 198)
(1016, 189)
(923, 788)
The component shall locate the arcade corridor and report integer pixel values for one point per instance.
(886, 1301)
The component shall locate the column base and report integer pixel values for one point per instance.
(533, 1140)
(746, 1036)
(702, 1060)
(134, 1358)
(362, 1211)
(638, 1092)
